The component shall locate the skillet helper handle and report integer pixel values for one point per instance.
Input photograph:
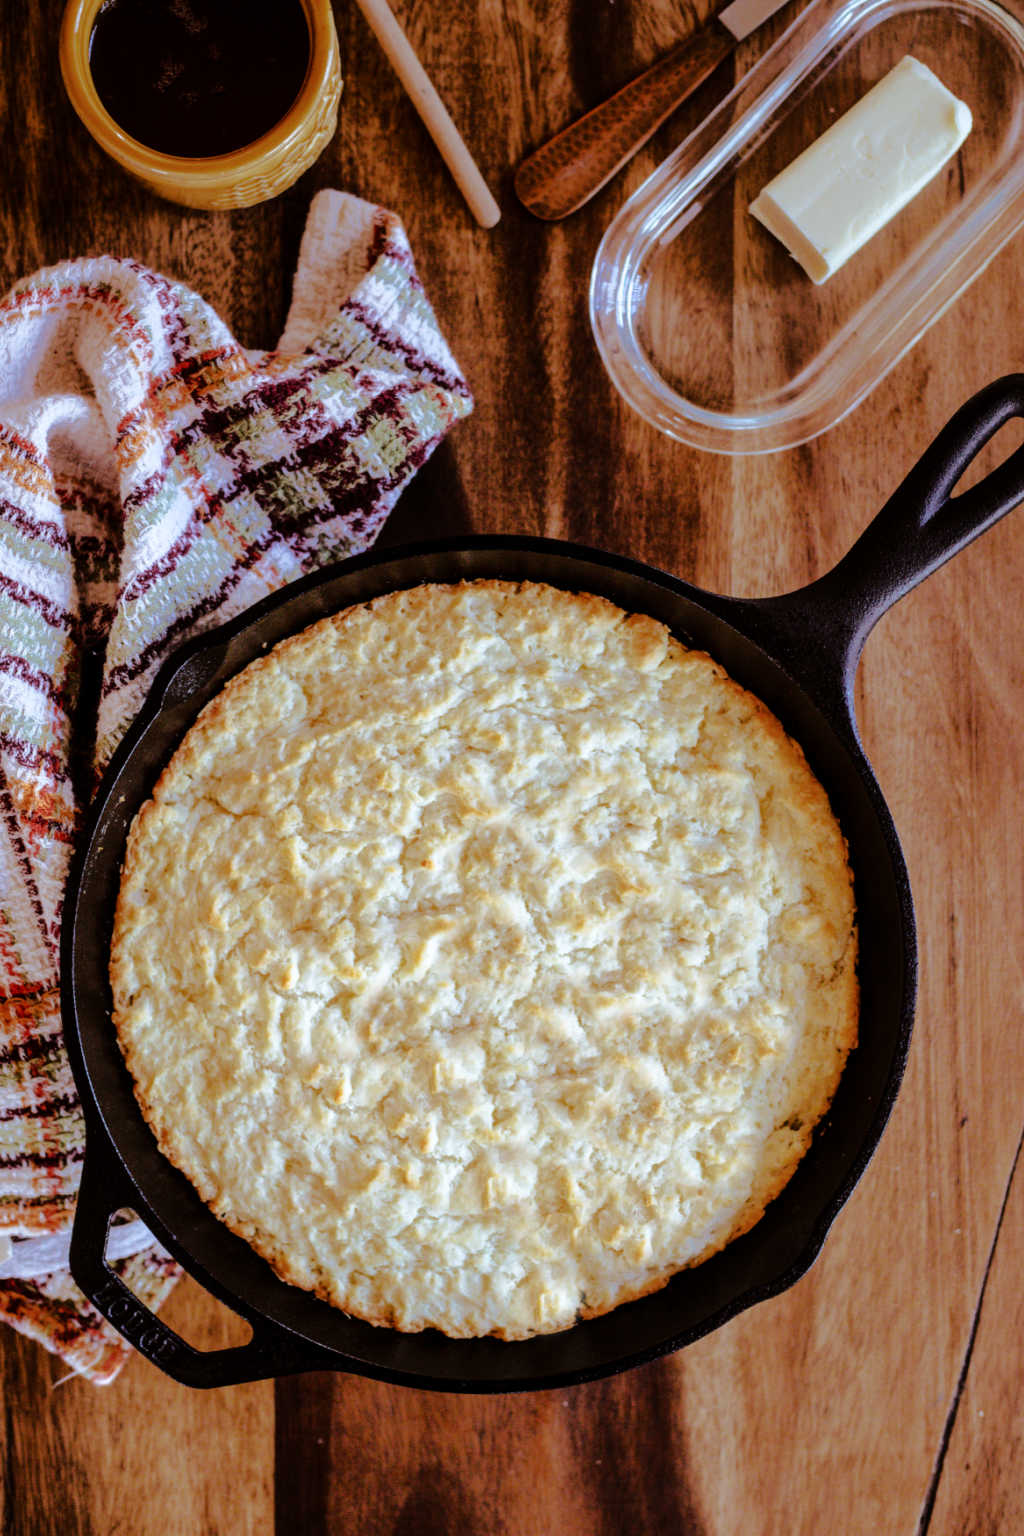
(270, 1352)
(923, 524)
(566, 172)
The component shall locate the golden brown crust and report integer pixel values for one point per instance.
(484, 958)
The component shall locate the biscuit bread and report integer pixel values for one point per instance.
(484, 957)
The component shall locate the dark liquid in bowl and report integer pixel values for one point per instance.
(199, 77)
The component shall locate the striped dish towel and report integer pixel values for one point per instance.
(156, 479)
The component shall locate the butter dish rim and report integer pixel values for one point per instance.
(862, 351)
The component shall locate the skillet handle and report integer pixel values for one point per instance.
(272, 1350)
(921, 526)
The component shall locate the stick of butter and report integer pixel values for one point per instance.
(863, 169)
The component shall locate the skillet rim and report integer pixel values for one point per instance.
(105, 1146)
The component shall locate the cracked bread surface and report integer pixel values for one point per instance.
(484, 957)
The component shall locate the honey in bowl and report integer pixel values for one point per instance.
(199, 78)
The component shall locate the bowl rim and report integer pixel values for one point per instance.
(205, 171)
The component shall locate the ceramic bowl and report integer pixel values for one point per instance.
(252, 174)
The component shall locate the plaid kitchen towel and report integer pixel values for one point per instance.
(155, 479)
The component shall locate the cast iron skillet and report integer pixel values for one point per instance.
(799, 653)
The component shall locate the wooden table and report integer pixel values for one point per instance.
(882, 1392)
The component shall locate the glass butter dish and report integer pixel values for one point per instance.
(707, 325)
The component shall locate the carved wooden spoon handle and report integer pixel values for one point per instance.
(565, 172)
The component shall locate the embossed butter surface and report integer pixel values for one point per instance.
(863, 170)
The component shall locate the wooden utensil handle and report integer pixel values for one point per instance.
(565, 173)
(432, 110)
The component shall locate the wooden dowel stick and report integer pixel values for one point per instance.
(432, 110)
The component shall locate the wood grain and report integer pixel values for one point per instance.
(977, 1484)
(881, 1393)
(145, 1456)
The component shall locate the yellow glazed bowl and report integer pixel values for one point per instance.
(249, 175)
